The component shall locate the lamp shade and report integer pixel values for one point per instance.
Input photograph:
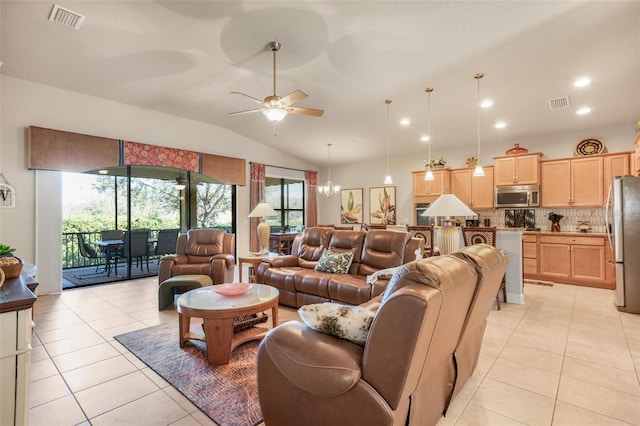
(263, 210)
(448, 205)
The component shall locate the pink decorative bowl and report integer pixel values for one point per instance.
(232, 289)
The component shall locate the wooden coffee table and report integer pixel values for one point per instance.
(218, 311)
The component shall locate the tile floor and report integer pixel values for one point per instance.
(565, 357)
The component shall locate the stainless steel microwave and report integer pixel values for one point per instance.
(517, 196)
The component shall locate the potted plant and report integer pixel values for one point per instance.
(5, 250)
(438, 164)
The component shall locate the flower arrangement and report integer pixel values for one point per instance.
(440, 162)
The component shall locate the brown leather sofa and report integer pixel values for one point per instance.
(300, 284)
(422, 346)
(202, 252)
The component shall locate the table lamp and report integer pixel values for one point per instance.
(448, 235)
(263, 210)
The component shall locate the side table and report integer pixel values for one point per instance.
(253, 262)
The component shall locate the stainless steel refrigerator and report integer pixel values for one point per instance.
(626, 241)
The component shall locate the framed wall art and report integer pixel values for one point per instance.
(351, 210)
(382, 205)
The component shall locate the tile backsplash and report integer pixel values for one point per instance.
(569, 223)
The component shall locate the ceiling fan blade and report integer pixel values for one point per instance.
(293, 97)
(260, 101)
(244, 112)
(306, 111)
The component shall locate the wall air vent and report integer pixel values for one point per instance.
(66, 17)
(558, 103)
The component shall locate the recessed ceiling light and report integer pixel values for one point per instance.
(103, 172)
(424, 138)
(500, 125)
(583, 111)
(486, 103)
(405, 121)
(582, 82)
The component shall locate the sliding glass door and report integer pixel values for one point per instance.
(118, 222)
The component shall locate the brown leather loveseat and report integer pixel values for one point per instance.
(300, 284)
(422, 346)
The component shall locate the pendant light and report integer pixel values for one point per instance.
(387, 178)
(329, 189)
(478, 171)
(429, 173)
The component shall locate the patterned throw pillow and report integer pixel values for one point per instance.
(347, 322)
(334, 263)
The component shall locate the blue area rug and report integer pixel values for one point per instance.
(228, 394)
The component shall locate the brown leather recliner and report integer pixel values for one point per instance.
(202, 252)
(405, 373)
(308, 377)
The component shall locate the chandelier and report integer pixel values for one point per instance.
(329, 189)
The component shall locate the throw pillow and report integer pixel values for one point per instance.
(347, 322)
(334, 263)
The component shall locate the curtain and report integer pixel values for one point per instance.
(311, 180)
(256, 195)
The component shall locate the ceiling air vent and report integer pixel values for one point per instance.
(558, 103)
(66, 17)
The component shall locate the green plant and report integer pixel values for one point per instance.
(5, 249)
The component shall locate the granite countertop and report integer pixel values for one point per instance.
(546, 232)
(572, 234)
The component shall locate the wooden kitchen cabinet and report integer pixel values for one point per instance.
(618, 164)
(427, 191)
(517, 169)
(575, 182)
(475, 192)
(636, 156)
(574, 260)
(530, 256)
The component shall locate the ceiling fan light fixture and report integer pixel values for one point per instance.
(275, 114)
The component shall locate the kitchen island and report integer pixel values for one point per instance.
(510, 241)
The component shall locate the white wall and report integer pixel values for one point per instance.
(24, 103)
(371, 174)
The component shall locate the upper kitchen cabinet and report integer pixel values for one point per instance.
(427, 191)
(636, 156)
(575, 182)
(517, 169)
(475, 192)
(618, 164)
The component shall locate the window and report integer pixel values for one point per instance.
(286, 196)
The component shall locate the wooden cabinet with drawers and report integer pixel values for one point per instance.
(530, 256)
(475, 191)
(568, 259)
(427, 191)
(517, 169)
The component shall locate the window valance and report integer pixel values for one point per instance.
(49, 149)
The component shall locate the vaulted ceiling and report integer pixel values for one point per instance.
(186, 57)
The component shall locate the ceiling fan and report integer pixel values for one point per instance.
(274, 107)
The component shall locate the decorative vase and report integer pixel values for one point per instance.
(517, 150)
(555, 226)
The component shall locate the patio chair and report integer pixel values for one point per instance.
(136, 247)
(87, 251)
(167, 240)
